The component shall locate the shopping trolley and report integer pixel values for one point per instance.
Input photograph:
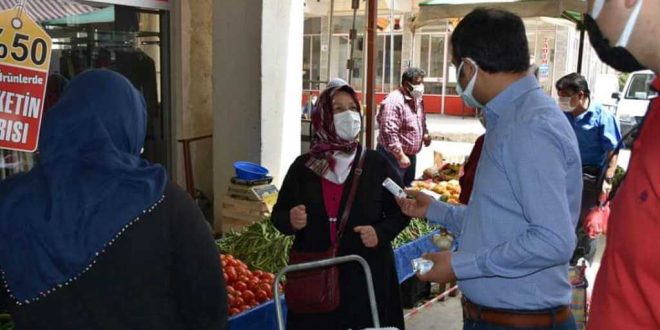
(321, 264)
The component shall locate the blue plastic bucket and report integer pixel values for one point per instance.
(250, 171)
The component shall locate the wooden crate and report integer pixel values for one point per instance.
(238, 213)
(230, 224)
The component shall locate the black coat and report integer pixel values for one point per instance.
(164, 273)
(374, 206)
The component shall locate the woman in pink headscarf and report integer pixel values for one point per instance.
(313, 196)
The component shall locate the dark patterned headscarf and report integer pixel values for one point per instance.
(325, 140)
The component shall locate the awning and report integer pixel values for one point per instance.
(45, 10)
(434, 10)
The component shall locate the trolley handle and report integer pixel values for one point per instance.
(321, 264)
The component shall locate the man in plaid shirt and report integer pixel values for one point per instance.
(402, 124)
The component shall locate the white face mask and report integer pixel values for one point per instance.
(466, 94)
(630, 24)
(565, 104)
(347, 124)
(417, 90)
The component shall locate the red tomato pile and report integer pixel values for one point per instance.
(245, 289)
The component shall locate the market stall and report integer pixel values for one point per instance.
(267, 256)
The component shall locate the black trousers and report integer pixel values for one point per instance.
(586, 247)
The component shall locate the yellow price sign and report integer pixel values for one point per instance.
(25, 50)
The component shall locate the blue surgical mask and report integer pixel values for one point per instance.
(467, 94)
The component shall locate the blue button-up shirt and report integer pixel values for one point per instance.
(517, 234)
(598, 133)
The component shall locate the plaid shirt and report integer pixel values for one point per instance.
(402, 123)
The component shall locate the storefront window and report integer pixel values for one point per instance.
(431, 58)
(129, 42)
(344, 24)
(388, 76)
(312, 53)
(341, 53)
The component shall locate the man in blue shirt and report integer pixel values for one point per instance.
(517, 234)
(598, 134)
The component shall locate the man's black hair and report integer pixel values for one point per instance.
(493, 38)
(410, 74)
(573, 82)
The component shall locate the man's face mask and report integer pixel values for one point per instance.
(618, 56)
(467, 93)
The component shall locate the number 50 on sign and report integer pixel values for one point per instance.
(25, 50)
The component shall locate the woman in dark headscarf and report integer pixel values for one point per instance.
(315, 191)
(93, 237)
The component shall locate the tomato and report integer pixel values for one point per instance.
(248, 295)
(261, 296)
(266, 287)
(253, 284)
(257, 273)
(230, 290)
(244, 308)
(233, 311)
(238, 301)
(224, 263)
(267, 277)
(226, 277)
(240, 286)
(231, 274)
(244, 271)
(244, 278)
(231, 299)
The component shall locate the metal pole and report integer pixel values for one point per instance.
(581, 49)
(350, 64)
(392, 46)
(371, 70)
(330, 33)
(445, 66)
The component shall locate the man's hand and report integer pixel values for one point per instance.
(298, 217)
(442, 272)
(368, 235)
(427, 140)
(416, 207)
(404, 161)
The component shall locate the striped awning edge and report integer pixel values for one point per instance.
(46, 10)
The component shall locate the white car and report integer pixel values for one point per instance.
(634, 100)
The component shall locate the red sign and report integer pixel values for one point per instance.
(546, 50)
(24, 60)
(21, 101)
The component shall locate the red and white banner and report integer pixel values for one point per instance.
(25, 50)
(153, 4)
(46, 10)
